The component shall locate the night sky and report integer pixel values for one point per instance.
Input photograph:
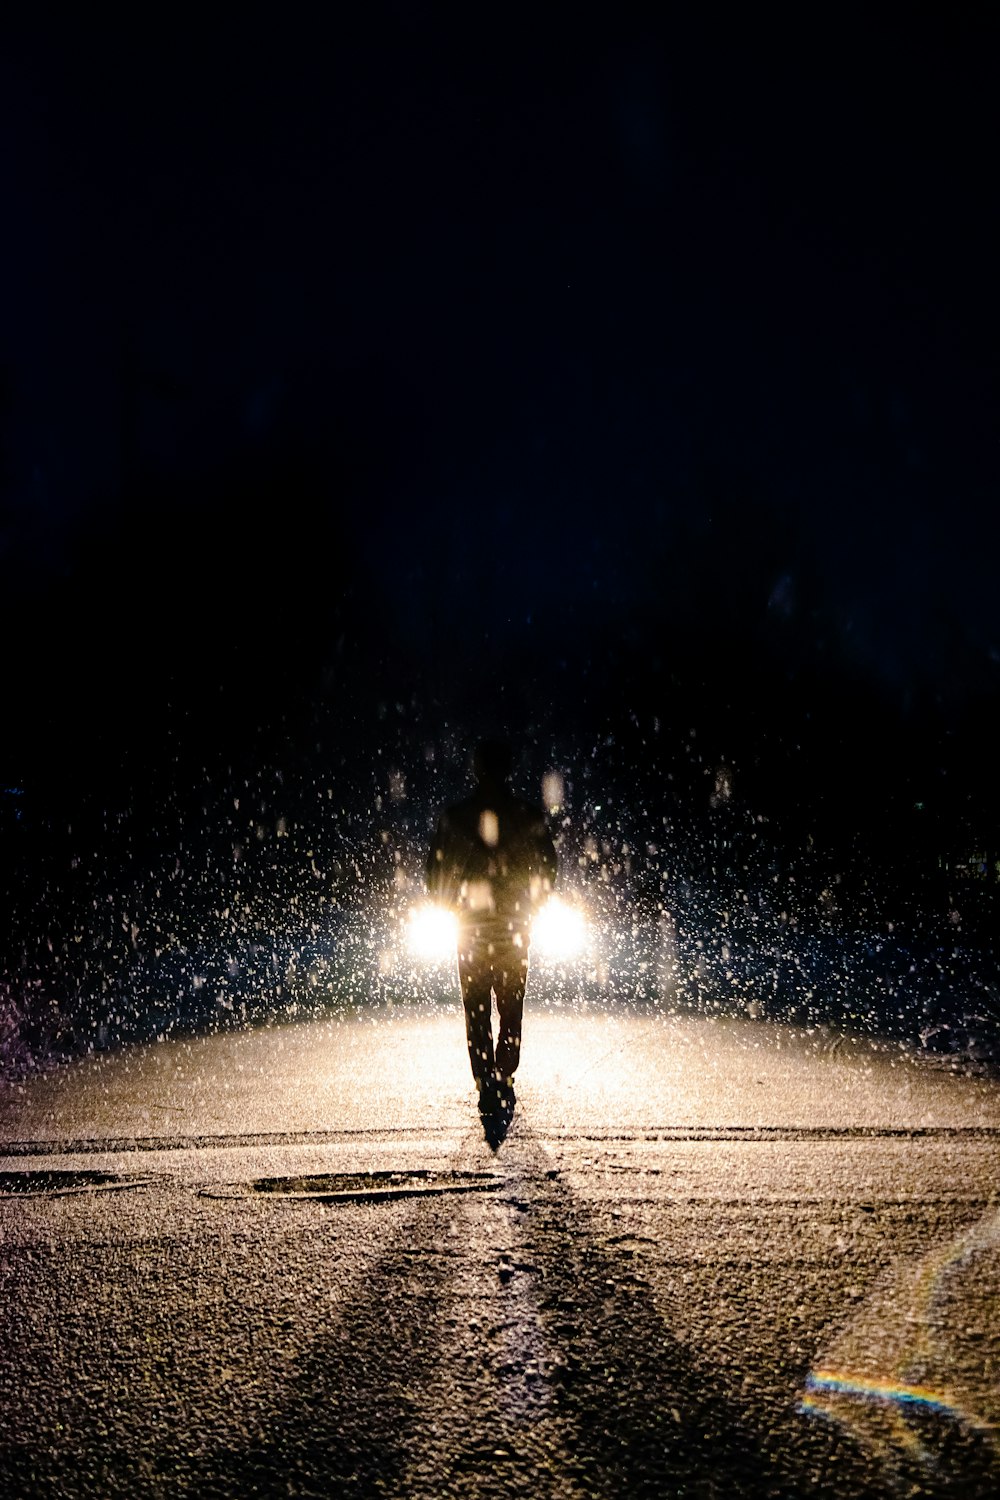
(627, 371)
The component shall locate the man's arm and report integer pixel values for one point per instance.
(435, 862)
(544, 859)
(548, 856)
(440, 872)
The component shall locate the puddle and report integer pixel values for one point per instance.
(358, 1187)
(57, 1184)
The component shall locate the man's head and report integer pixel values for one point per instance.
(492, 761)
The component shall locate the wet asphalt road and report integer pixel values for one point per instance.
(708, 1258)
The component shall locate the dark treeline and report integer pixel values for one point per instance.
(181, 640)
(218, 743)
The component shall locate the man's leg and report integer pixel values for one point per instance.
(511, 978)
(477, 984)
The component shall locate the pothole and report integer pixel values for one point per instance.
(57, 1184)
(358, 1187)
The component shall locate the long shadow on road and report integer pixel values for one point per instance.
(416, 1387)
(354, 1412)
(485, 1344)
(641, 1415)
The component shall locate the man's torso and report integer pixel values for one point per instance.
(493, 862)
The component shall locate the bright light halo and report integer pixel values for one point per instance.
(432, 933)
(559, 931)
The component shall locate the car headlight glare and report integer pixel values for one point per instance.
(432, 934)
(559, 931)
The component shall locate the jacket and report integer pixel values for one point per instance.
(492, 861)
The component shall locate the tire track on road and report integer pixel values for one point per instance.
(744, 1134)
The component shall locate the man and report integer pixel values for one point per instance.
(493, 862)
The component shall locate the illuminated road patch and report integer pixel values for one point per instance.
(358, 1187)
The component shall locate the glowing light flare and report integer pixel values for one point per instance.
(829, 1383)
(871, 1402)
(553, 791)
(432, 934)
(559, 931)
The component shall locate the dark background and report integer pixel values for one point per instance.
(619, 379)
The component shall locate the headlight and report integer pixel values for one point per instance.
(559, 931)
(432, 934)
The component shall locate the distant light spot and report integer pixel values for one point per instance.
(489, 828)
(553, 791)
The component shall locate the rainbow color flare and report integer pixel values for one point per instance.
(904, 1330)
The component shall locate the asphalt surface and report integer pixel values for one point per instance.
(706, 1258)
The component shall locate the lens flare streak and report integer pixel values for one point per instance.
(873, 1406)
(837, 1383)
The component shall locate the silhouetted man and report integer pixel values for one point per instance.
(493, 862)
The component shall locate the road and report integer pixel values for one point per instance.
(710, 1257)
